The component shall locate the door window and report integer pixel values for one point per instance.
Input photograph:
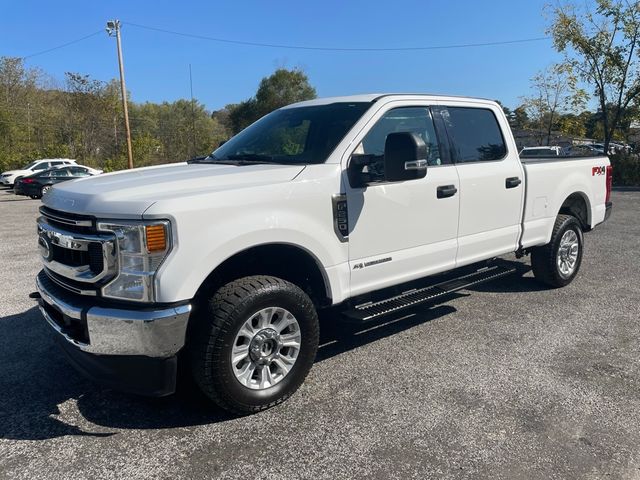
(41, 166)
(60, 172)
(475, 134)
(405, 119)
(79, 172)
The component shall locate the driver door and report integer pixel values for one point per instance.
(399, 231)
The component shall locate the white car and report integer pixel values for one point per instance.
(353, 203)
(9, 177)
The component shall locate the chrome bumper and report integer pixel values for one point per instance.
(157, 333)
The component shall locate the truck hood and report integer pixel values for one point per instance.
(129, 193)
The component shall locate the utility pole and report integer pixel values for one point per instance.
(29, 126)
(113, 29)
(193, 117)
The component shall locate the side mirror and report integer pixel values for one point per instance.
(405, 155)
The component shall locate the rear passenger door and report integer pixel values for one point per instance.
(491, 182)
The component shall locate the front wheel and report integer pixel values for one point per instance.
(254, 343)
(44, 190)
(557, 263)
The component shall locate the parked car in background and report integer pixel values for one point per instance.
(598, 148)
(582, 151)
(9, 177)
(36, 185)
(530, 152)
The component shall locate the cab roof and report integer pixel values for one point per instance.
(373, 97)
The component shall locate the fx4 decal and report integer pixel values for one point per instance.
(598, 171)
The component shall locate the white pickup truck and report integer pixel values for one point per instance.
(223, 262)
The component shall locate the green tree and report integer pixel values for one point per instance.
(520, 118)
(277, 90)
(601, 46)
(571, 125)
(555, 91)
(18, 91)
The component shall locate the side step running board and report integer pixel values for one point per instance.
(374, 310)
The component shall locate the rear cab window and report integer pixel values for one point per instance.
(474, 133)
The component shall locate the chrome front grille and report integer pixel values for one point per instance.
(73, 255)
(76, 258)
(69, 221)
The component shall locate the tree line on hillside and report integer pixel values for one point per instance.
(82, 117)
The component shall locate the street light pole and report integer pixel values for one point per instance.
(113, 28)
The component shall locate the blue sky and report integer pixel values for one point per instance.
(157, 65)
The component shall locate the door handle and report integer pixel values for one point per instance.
(512, 182)
(445, 191)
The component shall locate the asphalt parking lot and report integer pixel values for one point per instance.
(510, 380)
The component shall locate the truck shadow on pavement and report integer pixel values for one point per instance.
(43, 397)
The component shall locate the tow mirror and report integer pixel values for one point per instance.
(405, 155)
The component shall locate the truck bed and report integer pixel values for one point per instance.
(550, 182)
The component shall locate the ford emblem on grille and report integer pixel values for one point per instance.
(45, 247)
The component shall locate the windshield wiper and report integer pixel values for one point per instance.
(240, 159)
(207, 159)
(251, 158)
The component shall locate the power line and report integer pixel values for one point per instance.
(335, 49)
(77, 40)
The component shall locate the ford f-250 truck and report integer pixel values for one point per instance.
(223, 262)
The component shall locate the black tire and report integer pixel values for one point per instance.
(35, 197)
(544, 259)
(44, 189)
(215, 330)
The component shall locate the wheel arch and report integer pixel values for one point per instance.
(283, 260)
(577, 205)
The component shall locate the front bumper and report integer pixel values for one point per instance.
(131, 349)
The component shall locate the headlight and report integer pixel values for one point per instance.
(142, 246)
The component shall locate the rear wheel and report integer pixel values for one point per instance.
(557, 263)
(254, 343)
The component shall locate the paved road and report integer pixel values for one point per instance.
(510, 380)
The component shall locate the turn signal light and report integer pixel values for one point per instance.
(156, 238)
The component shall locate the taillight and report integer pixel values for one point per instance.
(609, 183)
(27, 180)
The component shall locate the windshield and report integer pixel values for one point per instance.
(292, 135)
(29, 166)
